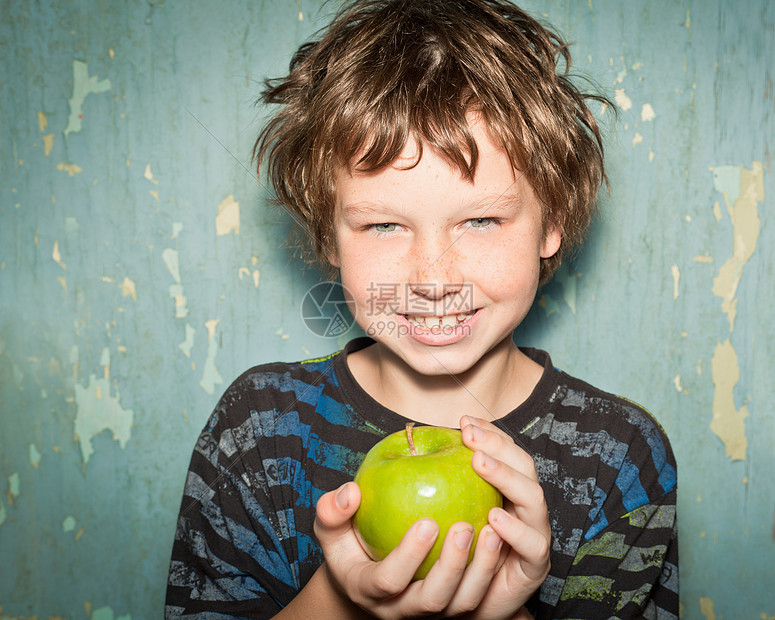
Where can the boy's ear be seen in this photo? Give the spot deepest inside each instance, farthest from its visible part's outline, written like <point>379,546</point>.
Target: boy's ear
<point>332,256</point>
<point>550,244</point>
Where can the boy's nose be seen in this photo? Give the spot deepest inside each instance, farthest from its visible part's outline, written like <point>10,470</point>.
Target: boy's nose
<point>436,271</point>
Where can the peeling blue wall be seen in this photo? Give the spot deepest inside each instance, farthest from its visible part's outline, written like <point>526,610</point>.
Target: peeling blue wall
<point>142,268</point>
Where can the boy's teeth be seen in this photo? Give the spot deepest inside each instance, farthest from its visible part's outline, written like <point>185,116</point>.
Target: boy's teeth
<point>431,322</point>
<point>448,321</point>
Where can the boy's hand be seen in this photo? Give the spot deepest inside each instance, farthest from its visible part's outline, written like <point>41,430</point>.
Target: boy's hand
<point>523,523</point>
<point>385,589</point>
<point>499,580</point>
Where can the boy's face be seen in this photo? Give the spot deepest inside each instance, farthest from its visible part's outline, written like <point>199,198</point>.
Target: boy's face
<point>441,270</point>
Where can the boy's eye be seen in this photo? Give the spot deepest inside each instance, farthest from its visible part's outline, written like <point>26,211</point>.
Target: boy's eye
<point>385,227</point>
<point>480,222</point>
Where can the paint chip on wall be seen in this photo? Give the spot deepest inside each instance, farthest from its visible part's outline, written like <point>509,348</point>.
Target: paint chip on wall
<point>57,256</point>
<point>676,277</point>
<point>34,455</point>
<point>188,343</point>
<point>48,144</point>
<point>549,304</point>
<point>98,411</point>
<point>568,281</point>
<point>170,258</point>
<point>622,100</point>
<point>742,189</point>
<point>210,376</point>
<point>83,85</point>
<point>13,487</point>
<point>255,275</point>
<point>149,175</point>
<point>181,301</point>
<point>707,608</point>
<point>71,169</point>
<point>171,261</point>
<point>728,422</point>
<point>106,613</point>
<point>128,289</point>
<point>228,218</point>
<point>647,113</point>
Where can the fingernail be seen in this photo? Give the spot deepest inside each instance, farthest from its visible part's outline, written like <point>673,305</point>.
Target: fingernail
<point>343,497</point>
<point>463,539</point>
<point>499,515</point>
<point>487,462</point>
<point>493,541</point>
<point>477,433</point>
<point>426,531</point>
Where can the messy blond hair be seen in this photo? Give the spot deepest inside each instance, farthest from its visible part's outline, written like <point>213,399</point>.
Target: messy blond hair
<point>388,70</point>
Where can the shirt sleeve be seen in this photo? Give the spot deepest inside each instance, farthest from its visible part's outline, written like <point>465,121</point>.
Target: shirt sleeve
<point>234,554</point>
<point>626,565</point>
<point>629,569</point>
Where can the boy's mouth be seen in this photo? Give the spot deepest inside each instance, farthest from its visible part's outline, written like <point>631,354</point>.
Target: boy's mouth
<point>436,322</point>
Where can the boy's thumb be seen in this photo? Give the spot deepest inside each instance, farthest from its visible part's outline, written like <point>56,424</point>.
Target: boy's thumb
<point>342,497</point>
<point>336,508</point>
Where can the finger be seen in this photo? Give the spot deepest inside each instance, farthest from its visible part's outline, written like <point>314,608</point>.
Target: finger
<point>480,434</point>
<point>525,494</point>
<point>488,425</point>
<point>392,575</point>
<point>484,424</point>
<point>334,511</point>
<point>479,574</point>
<point>531,545</point>
<point>432,594</point>
<point>441,582</point>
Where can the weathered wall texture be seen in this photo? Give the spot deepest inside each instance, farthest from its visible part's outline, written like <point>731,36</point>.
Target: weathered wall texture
<point>142,268</point>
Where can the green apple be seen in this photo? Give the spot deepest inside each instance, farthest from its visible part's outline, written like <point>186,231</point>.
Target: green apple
<point>415,474</point>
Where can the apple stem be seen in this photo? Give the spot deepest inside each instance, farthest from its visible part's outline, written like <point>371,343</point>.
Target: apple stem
<point>412,447</point>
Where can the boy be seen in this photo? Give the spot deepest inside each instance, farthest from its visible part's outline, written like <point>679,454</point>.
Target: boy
<point>438,159</point>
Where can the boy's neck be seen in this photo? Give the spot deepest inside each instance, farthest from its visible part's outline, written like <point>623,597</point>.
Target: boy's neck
<point>495,386</point>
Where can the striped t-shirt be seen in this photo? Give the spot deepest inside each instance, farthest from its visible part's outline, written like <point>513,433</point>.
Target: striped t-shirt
<point>282,435</point>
